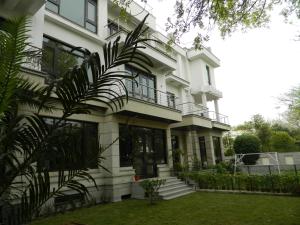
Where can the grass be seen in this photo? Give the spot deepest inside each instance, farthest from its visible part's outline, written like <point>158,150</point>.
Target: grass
<point>198,208</point>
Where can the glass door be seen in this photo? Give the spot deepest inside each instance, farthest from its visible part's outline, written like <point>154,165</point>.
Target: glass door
<point>144,156</point>
<point>203,151</point>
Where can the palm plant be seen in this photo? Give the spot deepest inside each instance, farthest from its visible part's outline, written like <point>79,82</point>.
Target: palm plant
<point>25,139</point>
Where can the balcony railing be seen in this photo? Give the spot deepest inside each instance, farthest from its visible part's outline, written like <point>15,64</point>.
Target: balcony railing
<point>190,108</point>
<point>218,117</point>
<point>114,27</point>
<point>152,95</point>
<point>33,59</point>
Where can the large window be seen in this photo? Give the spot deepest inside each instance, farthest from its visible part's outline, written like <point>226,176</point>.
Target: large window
<point>208,75</point>
<point>78,136</point>
<point>144,85</point>
<point>140,143</point>
<point>58,57</point>
<point>81,12</point>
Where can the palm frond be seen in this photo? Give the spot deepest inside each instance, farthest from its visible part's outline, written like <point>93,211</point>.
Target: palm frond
<point>12,53</point>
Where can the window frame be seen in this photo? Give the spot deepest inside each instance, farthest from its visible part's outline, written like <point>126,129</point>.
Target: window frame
<point>86,19</point>
<point>139,94</point>
<point>154,133</point>
<point>57,51</point>
<point>83,150</point>
<point>208,74</point>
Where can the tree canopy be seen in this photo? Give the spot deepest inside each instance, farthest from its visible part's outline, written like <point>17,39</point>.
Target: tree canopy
<point>227,16</point>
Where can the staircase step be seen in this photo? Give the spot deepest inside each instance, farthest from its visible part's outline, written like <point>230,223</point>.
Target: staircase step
<point>172,183</point>
<point>171,188</point>
<point>178,195</point>
<point>175,192</point>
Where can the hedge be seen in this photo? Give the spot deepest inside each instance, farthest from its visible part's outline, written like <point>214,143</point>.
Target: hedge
<point>286,183</point>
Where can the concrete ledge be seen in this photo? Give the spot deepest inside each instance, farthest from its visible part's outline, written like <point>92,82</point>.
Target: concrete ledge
<point>245,192</point>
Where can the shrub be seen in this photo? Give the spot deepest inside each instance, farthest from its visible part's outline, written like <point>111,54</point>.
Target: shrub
<point>151,187</point>
<point>281,141</point>
<point>247,143</point>
<point>285,183</point>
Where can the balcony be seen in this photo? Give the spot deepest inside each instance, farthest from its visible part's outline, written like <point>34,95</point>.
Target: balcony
<point>149,103</point>
<point>176,81</point>
<point>211,92</point>
<point>21,7</point>
<point>199,115</point>
<point>154,50</point>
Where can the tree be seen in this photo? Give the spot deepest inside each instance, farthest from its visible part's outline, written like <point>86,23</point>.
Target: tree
<point>26,139</point>
<point>228,144</point>
<point>259,127</point>
<point>247,143</point>
<point>292,100</point>
<point>228,16</point>
<point>281,141</point>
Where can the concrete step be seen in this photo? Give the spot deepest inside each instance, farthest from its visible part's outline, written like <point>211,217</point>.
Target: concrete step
<point>172,183</point>
<point>171,188</point>
<point>178,195</point>
<point>174,188</point>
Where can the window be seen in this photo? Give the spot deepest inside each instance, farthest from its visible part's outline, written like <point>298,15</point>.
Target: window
<point>208,75</point>
<point>171,100</point>
<point>143,87</point>
<point>113,27</point>
<point>81,12</point>
<point>58,58</point>
<point>81,137</point>
<point>136,143</point>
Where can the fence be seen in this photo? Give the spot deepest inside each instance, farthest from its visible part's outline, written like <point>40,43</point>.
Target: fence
<point>269,169</point>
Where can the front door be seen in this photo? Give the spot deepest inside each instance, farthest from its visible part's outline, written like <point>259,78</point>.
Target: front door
<point>144,156</point>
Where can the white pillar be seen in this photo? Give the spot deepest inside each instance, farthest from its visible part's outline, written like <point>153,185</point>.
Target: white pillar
<point>204,100</point>
<point>217,110</point>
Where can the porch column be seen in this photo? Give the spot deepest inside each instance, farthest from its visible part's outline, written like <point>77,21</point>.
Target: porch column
<point>109,134</point>
<point>217,110</point>
<point>169,148</point>
<point>222,147</point>
<point>204,100</point>
<point>189,147</point>
<point>210,150</point>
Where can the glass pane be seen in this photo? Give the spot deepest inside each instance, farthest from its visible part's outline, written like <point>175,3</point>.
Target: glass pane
<point>90,144</point>
<point>144,86</point>
<point>48,59</point>
<point>65,61</point>
<point>136,86</point>
<point>90,27</point>
<point>151,90</point>
<point>52,7</point>
<point>73,10</point>
<point>91,14</point>
<point>128,84</point>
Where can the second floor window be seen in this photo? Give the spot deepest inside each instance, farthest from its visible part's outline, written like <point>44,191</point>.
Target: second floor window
<point>58,57</point>
<point>144,87</point>
<point>208,75</point>
<point>81,12</point>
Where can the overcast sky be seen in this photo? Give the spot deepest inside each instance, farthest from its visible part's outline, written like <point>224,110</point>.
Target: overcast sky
<point>256,67</point>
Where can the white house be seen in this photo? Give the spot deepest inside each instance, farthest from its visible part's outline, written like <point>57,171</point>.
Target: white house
<point>166,111</point>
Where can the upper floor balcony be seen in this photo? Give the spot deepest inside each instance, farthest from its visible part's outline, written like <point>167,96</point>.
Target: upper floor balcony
<point>155,49</point>
<point>212,93</point>
<point>199,115</point>
<point>148,102</point>
<point>21,7</point>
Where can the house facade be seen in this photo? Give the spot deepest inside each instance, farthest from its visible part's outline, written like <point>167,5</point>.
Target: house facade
<point>167,111</point>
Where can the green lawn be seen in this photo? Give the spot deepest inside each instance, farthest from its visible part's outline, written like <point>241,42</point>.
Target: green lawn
<point>198,208</point>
